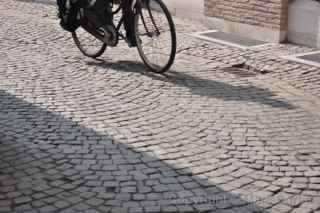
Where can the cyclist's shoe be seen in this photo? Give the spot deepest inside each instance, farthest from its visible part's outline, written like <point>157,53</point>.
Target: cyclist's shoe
<point>132,43</point>
<point>131,40</point>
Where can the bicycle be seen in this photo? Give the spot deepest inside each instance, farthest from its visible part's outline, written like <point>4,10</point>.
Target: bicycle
<point>154,33</point>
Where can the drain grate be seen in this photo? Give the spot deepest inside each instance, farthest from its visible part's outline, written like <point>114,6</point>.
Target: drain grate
<point>310,58</point>
<point>244,70</point>
<point>239,72</point>
<point>229,39</point>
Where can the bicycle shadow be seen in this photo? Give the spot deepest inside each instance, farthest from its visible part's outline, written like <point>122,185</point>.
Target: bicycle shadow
<point>51,163</point>
<point>199,86</point>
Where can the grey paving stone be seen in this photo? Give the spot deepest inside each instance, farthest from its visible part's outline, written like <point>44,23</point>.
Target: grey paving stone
<point>136,210</point>
<point>312,173</point>
<point>22,200</point>
<point>81,207</point>
<point>84,135</point>
<point>61,204</point>
<point>23,208</point>
<point>5,202</point>
<point>5,209</point>
<point>94,202</point>
<point>48,208</point>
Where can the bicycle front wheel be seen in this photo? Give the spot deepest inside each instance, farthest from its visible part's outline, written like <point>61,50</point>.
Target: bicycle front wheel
<point>155,35</point>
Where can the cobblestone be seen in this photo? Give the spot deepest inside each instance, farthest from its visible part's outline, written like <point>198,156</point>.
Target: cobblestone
<point>79,135</point>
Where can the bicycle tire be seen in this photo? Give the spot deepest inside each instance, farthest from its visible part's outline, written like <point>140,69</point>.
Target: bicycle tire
<point>172,52</point>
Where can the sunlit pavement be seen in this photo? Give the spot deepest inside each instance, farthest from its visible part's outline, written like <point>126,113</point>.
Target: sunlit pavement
<point>84,135</point>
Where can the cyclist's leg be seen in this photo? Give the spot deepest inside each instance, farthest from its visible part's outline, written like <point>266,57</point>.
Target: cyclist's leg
<point>100,12</point>
<point>128,18</point>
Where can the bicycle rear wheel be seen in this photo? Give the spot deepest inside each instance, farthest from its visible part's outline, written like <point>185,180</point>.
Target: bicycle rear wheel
<point>87,43</point>
<point>155,35</point>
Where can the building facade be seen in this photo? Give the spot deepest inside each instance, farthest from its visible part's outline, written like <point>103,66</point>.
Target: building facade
<point>276,21</point>
<point>260,19</point>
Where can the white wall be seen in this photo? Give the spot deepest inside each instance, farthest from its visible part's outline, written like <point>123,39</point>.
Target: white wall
<point>193,9</point>
<point>304,22</point>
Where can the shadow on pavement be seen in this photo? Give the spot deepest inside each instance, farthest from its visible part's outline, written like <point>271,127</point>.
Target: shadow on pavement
<point>200,86</point>
<point>49,163</point>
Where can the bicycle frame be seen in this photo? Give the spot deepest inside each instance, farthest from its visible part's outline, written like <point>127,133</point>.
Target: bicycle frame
<point>118,26</point>
<point>134,6</point>
<point>121,21</point>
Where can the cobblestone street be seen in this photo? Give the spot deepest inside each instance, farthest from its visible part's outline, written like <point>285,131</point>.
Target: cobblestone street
<point>84,135</point>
